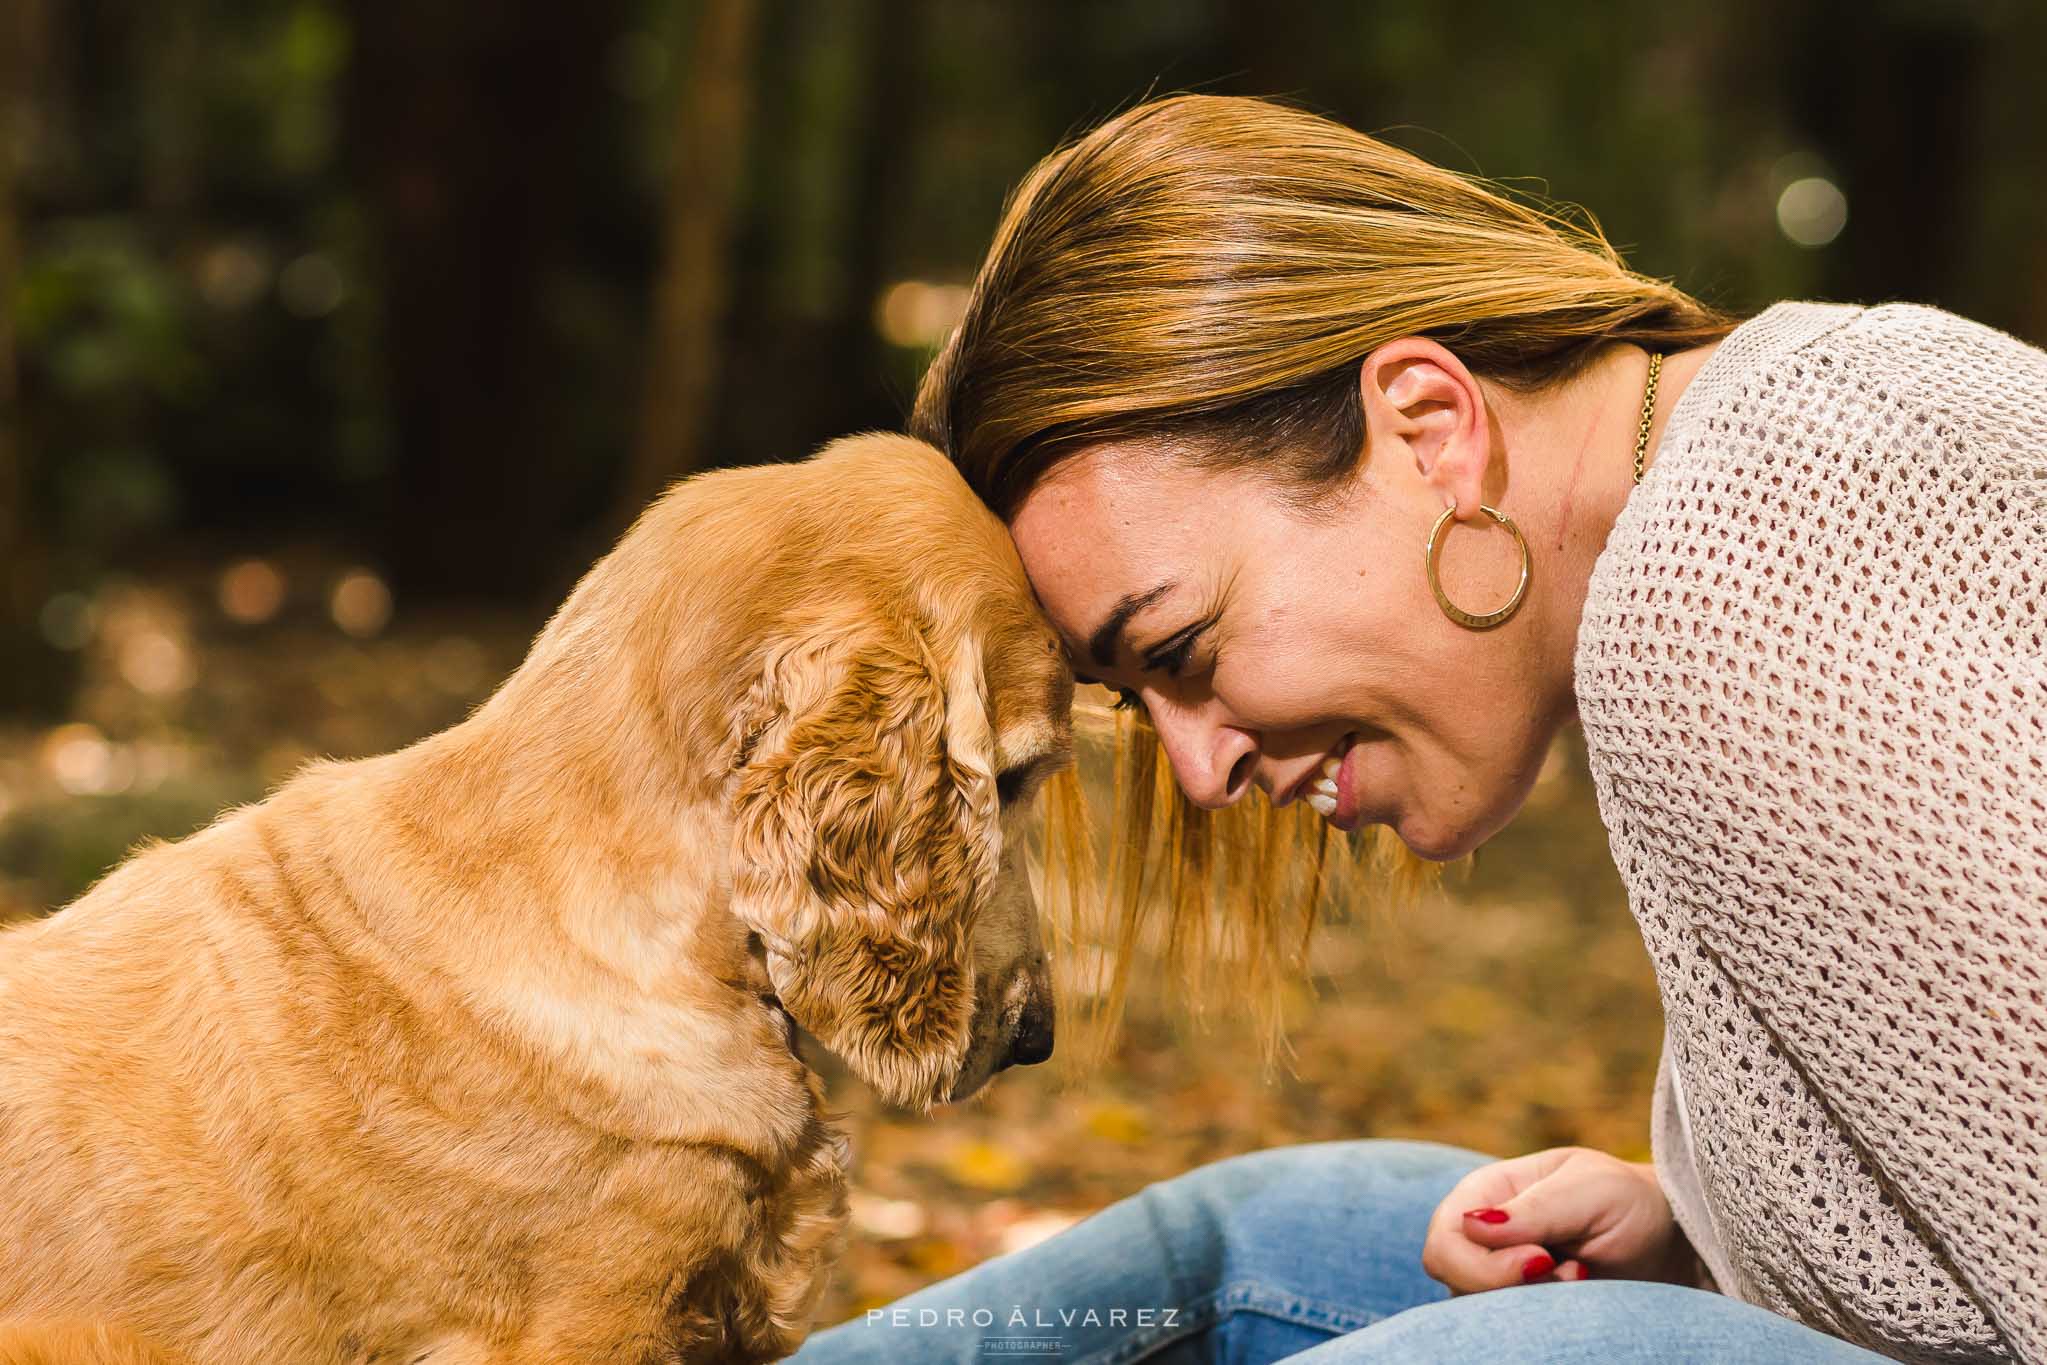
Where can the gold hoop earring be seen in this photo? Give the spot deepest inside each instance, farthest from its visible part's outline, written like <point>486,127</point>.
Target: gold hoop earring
<point>1456,613</point>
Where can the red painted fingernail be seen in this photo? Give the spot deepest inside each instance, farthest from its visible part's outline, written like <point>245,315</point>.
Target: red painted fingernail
<point>1584,1272</point>
<point>1488,1215</point>
<point>1537,1267</point>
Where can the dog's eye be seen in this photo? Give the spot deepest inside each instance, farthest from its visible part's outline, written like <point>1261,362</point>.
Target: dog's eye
<point>1009,784</point>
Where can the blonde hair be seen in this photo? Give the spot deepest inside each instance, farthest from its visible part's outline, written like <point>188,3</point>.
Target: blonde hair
<point>1227,899</point>
<point>1210,271</point>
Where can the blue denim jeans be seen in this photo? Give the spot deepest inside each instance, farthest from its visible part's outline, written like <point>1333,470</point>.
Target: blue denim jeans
<point>1308,1253</point>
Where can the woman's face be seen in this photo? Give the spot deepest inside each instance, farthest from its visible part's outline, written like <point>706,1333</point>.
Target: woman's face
<point>1267,639</point>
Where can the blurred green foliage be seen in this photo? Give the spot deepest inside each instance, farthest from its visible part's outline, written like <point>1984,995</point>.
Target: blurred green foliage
<point>379,273</point>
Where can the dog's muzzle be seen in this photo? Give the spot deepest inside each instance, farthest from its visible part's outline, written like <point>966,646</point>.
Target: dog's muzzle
<point>1032,1041</point>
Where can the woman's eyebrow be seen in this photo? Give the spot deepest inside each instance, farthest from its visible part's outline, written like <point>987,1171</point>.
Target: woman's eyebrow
<point>1101,646</point>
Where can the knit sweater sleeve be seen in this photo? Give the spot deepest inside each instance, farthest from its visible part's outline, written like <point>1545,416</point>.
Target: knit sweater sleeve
<point>1812,673</point>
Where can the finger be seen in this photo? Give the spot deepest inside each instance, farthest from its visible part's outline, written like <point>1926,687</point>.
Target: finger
<point>1490,1186</point>
<point>1466,1268</point>
<point>1564,1209</point>
<point>1487,1187</point>
<point>1497,1226</point>
<point>1497,1182</point>
<point>1468,1264</point>
<point>1448,1254</point>
<point>1571,1271</point>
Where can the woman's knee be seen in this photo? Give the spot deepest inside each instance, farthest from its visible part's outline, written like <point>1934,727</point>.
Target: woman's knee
<point>1615,1322</point>
<point>1358,1176</point>
<point>1339,1221</point>
<point>1316,1168</point>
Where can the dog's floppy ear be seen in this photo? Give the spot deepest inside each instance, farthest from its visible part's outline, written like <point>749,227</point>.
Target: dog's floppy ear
<point>867,838</point>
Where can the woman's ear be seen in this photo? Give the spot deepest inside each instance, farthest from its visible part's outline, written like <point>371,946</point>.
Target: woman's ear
<point>866,840</point>
<point>1423,408</point>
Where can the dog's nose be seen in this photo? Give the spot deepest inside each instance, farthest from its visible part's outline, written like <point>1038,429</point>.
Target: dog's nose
<point>1033,1040</point>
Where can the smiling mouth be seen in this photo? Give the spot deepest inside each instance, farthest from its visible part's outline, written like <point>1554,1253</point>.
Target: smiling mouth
<point>1325,792</point>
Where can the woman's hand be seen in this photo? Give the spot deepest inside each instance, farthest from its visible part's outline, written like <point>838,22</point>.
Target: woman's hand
<point>1565,1214</point>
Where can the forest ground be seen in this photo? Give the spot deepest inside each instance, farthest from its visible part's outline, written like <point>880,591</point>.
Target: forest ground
<point>1513,1011</point>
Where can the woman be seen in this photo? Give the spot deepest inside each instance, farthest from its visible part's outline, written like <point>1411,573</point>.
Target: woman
<point>1362,479</point>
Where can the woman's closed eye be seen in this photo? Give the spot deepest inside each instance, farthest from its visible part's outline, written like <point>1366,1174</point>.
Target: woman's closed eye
<point>1172,659</point>
<point>1172,656</point>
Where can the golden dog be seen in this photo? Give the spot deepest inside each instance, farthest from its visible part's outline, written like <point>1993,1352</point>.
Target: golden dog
<point>481,1051</point>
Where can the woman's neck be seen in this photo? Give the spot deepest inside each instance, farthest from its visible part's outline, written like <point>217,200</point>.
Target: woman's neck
<point>1573,451</point>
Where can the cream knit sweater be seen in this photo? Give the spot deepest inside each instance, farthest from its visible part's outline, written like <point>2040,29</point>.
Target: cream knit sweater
<point>1812,673</point>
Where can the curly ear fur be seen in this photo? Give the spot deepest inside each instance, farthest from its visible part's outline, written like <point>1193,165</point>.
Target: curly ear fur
<point>867,838</point>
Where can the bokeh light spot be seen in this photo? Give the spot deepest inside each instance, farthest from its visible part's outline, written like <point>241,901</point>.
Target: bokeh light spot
<point>156,663</point>
<point>360,603</point>
<point>1812,211</point>
<point>917,313</point>
<point>251,592</point>
<point>81,761</point>
<point>232,274</point>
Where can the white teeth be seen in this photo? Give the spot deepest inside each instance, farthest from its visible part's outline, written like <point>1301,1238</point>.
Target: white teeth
<point>1331,767</point>
<point>1324,804</point>
<point>1323,785</point>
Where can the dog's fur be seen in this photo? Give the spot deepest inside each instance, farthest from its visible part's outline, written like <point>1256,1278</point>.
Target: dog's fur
<point>480,1051</point>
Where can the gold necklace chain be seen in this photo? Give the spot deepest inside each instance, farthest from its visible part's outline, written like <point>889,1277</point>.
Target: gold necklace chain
<point>1648,414</point>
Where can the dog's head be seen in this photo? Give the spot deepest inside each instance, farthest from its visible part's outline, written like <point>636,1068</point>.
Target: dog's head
<point>904,712</point>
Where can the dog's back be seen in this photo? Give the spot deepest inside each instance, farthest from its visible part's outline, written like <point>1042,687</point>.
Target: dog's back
<point>457,1054</point>
<point>76,1343</point>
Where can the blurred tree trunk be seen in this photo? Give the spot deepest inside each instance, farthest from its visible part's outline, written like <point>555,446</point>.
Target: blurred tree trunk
<point>886,126</point>
<point>168,91</point>
<point>35,677</point>
<point>469,122</point>
<point>713,114</point>
<point>827,340</point>
<point>1846,92</point>
<point>16,23</point>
